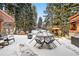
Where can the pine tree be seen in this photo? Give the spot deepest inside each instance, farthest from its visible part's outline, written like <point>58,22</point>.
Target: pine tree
<point>40,22</point>
<point>25,15</point>
<point>59,13</point>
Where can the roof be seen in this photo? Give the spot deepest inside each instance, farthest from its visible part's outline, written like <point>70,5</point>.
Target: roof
<point>5,17</point>
<point>74,17</point>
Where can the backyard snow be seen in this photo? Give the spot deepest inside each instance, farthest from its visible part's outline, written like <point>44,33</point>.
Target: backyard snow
<point>65,48</point>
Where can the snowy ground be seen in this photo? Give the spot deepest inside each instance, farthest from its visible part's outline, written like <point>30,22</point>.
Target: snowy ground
<point>65,49</point>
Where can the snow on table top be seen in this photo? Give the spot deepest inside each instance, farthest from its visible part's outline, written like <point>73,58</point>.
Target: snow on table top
<point>44,34</point>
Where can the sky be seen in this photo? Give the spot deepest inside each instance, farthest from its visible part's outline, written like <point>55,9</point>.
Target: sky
<point>40,7</point>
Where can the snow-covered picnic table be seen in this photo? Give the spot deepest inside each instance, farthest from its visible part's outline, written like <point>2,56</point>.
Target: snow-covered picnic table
<point>44,36</point>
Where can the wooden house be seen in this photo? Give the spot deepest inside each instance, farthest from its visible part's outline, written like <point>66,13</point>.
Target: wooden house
<point>7,23</point>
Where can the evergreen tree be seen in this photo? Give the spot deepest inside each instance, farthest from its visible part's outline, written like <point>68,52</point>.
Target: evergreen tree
<point>25,15</point>
<point>58,14</point>
<point>40,22</point>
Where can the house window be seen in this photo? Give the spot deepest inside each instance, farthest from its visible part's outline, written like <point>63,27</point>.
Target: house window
<point>73,26</point>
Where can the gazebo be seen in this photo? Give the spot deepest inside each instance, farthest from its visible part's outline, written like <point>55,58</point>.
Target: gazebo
<point>7,23</point>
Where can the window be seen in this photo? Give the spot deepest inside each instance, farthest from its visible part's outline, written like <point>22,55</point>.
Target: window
<point>73,26</point>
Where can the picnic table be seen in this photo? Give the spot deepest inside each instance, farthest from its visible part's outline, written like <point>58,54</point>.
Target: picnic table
<point>44,37</point>
<point>5,39</point>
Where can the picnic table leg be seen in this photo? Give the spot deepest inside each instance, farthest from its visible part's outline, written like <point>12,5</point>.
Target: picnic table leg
<point>7,41</point>
<point>49,46</point>
<point>58,42</point>
<point>2,45</point>
<point>13,39</point>
<point>41,45</point>
<point>54,45</point>
<point>35,45</point>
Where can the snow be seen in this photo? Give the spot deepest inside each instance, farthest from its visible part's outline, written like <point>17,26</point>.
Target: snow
<point>65,48</point>
<point>67,44</point>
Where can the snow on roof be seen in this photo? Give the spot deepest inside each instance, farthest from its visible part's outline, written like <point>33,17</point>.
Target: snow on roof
<point>6,17</point>
<point>74,17</point>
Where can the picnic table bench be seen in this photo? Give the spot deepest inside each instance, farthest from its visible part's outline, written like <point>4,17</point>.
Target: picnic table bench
<point>6,39</point>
